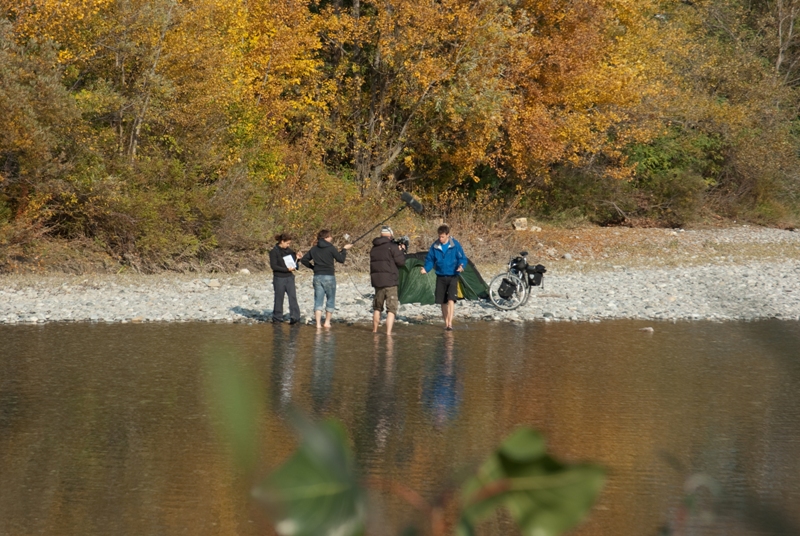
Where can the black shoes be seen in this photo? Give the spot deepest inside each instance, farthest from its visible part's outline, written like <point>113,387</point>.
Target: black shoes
<point>280,321</point>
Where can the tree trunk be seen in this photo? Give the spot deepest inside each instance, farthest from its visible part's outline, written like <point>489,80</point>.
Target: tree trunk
<point>147,87</point>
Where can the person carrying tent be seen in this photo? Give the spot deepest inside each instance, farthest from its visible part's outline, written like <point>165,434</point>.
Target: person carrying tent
<point>447,256</point>
<point>385,260</point>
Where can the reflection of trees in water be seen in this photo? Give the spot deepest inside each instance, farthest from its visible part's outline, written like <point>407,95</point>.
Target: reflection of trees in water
<point>735,461</point>
<point>115,433</point>
<point>284,357</point>
<point>322,365</point>
<point>441,389</point>
<point>11,408</point>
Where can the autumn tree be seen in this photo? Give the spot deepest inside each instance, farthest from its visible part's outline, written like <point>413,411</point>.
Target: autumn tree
<point>413,80</point>
<point>576,82</point>
<point>728,117</point>
<point>166,129</point>
<point>38,118</point>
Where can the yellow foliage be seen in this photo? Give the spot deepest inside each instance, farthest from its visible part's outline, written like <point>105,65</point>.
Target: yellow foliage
<point>436,95</point>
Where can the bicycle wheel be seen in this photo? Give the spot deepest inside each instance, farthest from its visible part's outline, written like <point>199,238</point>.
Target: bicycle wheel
<point>528,291</point>
<point>507,291</point>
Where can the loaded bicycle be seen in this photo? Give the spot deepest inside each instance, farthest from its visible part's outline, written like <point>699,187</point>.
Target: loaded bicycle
<point>512,288</point>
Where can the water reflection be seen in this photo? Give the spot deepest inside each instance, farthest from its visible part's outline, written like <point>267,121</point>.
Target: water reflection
<point>441,390</point>
<point>384,409</point>
<point>104,430</point>
<point>284,361</point>
<point>322,366</point>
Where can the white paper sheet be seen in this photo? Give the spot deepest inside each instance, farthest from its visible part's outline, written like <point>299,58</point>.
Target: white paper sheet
<point>289,261</point>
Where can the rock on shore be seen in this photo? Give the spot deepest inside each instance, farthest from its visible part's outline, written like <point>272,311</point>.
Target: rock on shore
<point>714,292</point>
<point>717,289</point>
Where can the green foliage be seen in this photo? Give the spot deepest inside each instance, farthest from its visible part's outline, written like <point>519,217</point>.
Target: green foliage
<point>5,211</point>
<point>674,171</point>
<point>573,196</point>
<point>235,402</point>
<point>679,151</point>
<point>317,490</point>
<point>545,497</point>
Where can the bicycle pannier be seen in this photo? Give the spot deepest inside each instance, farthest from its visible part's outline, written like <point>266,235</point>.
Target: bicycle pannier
<point>507,288</point>
<point>535,274</point>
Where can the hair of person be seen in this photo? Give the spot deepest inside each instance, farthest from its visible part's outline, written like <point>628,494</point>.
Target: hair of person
<point>283,237</point>
<point>443,229</point>
<point>323,234</point>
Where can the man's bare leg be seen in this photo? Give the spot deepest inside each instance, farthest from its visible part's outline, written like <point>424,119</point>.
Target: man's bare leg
<point>389,323</point>
<point>376,320</point>
<point>328,315</point>
<point>318,318</point>
<point>451,309</point>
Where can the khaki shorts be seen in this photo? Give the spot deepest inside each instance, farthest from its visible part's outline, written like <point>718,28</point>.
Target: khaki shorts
<point>386,295</point>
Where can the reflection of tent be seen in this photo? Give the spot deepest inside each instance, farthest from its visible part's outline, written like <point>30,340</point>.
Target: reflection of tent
<point>417,288</point>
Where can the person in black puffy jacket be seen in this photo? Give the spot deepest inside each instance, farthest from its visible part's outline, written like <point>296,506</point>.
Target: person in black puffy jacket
<point>385,259</point>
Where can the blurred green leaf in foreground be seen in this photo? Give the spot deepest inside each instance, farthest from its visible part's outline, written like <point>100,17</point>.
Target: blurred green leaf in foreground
<point>545,497</point>
<point>235,404</point>
<point>317,491</point>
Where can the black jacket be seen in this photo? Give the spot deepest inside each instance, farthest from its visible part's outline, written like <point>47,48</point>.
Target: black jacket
<point>276,256</point>
<point>320,258</point>
<point>385,259</point>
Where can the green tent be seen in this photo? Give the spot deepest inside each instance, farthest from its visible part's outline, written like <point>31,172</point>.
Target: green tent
<point>417,288</point>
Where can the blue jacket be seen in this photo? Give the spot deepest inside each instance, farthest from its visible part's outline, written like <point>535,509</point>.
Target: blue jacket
<point>446,262</point>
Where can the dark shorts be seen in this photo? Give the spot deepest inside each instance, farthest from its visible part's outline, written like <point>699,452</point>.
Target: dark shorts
<point>387,295</point>
<point>446,288</point>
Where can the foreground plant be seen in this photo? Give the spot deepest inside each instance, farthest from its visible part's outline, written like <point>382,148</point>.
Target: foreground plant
<point>318,490</point>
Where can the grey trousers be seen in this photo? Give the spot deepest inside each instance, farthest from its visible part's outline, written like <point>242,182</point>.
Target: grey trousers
<point>281,286</point>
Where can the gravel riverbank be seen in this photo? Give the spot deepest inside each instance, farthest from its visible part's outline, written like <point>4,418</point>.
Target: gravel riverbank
<point>718,274</point>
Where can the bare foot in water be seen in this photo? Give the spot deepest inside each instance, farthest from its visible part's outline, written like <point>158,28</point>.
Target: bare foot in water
<point>326,326</point>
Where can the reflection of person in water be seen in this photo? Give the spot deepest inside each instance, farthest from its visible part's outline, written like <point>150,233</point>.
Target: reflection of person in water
<point>322,364</point>
<point>284,354</point>
<point>440,388</point>
<point>381,399</point>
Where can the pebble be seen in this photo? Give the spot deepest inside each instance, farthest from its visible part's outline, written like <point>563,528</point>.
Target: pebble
<point>714,289</point>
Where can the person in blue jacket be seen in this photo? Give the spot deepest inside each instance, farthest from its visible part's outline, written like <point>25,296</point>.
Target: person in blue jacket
<point>447,256</point>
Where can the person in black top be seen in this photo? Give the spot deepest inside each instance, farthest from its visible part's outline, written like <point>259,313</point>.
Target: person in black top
<point>320,258</point>
<point>283,278</point>
<point>385,259</point>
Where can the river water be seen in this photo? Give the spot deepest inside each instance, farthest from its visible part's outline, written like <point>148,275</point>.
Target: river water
<point>105,428</point>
